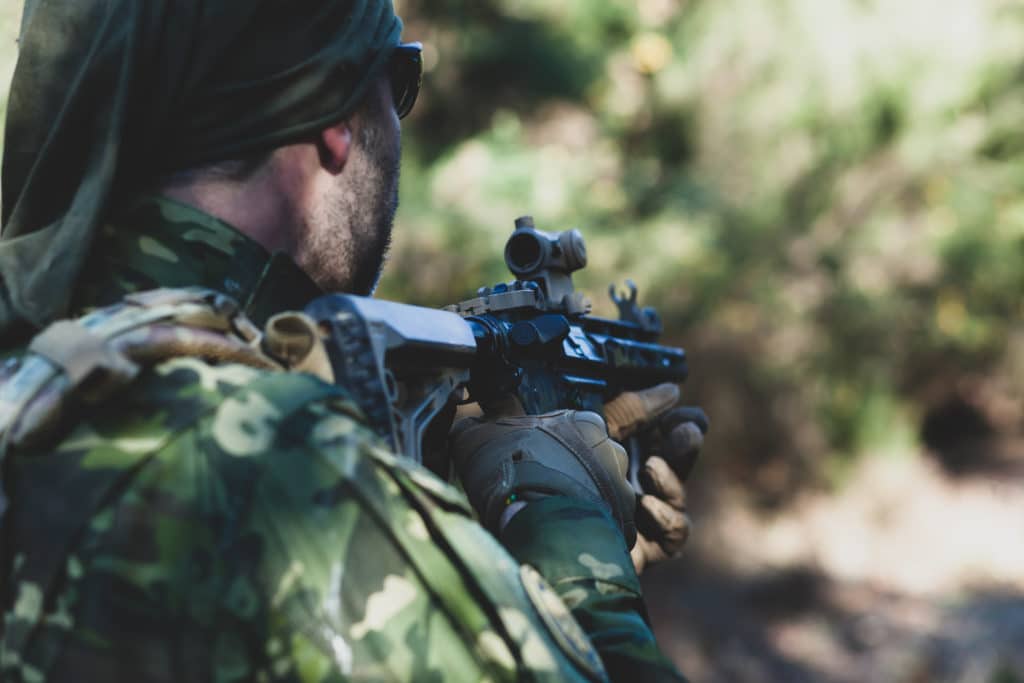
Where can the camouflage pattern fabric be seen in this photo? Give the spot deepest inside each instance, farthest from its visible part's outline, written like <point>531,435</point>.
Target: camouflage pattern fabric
<point>157,242</point>
<point>222,523</point>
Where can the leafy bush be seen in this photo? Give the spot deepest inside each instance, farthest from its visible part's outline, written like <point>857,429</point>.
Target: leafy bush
<point>822,197</point>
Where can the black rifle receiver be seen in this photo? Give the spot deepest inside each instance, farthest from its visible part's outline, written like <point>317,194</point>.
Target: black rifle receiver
<point>533,338</point>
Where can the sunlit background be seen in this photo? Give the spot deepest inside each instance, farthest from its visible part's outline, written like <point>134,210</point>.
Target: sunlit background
<point>825,199</point>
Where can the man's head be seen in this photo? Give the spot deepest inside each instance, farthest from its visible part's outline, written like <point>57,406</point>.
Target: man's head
<point>327,201</point>
<point>110,96</point>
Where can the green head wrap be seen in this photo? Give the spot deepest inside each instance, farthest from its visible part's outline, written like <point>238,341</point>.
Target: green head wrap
<point>108,94</point>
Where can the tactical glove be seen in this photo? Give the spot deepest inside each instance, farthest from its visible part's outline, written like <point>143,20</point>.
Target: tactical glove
<point>513,460</point>
<point>662,521</point>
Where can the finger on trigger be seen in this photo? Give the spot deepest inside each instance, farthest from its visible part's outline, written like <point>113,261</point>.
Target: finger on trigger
<point>658,479</point>
<point>662,523</point>
<point>632,409</point>
<point>657,400</point>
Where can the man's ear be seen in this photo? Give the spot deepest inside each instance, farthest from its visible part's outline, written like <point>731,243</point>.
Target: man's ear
<point>335,144</point>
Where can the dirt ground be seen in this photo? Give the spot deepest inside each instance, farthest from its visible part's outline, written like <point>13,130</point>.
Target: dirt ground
<point>907,575</point>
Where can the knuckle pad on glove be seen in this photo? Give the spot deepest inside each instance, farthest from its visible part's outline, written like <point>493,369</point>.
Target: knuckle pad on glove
<point>605,454</point>
<point>631,409</point>
<point>591,427</point>
<point>467,435</point>
<point>624,413</point>
<point>659,399</point>
<point>566,453</point>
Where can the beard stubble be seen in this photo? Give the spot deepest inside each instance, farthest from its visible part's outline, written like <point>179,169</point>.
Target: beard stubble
<point>348,233</point>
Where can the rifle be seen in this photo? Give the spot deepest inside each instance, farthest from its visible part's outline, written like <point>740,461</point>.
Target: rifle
<point>533,338</point>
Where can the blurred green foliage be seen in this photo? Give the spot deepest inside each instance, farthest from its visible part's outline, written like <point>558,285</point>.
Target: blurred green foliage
<point>10,16</point>
<point>823,197</point>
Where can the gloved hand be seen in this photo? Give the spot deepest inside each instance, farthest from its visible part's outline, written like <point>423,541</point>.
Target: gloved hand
<point>662,521</point>
<point>510,461</point>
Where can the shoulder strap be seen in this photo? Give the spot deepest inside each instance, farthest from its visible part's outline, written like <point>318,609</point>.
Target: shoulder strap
<point>89,358</point>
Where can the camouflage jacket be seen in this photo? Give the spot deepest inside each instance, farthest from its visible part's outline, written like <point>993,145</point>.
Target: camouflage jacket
<point>220,523</point>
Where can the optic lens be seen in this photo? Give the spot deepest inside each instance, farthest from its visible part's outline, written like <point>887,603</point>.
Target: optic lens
<point>524,253</point>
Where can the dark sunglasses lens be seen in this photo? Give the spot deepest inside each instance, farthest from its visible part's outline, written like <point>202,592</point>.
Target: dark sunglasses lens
<point>406,73</point>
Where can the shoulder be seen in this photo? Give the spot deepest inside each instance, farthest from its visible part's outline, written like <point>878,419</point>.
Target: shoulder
<point>228,401</point>
<point>186,426</point>
<point>241,409</point>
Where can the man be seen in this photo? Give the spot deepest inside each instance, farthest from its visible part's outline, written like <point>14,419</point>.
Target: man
<point>212,521</point>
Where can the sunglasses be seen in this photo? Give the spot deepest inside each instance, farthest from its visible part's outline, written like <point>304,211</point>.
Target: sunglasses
<point>406,72</point>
